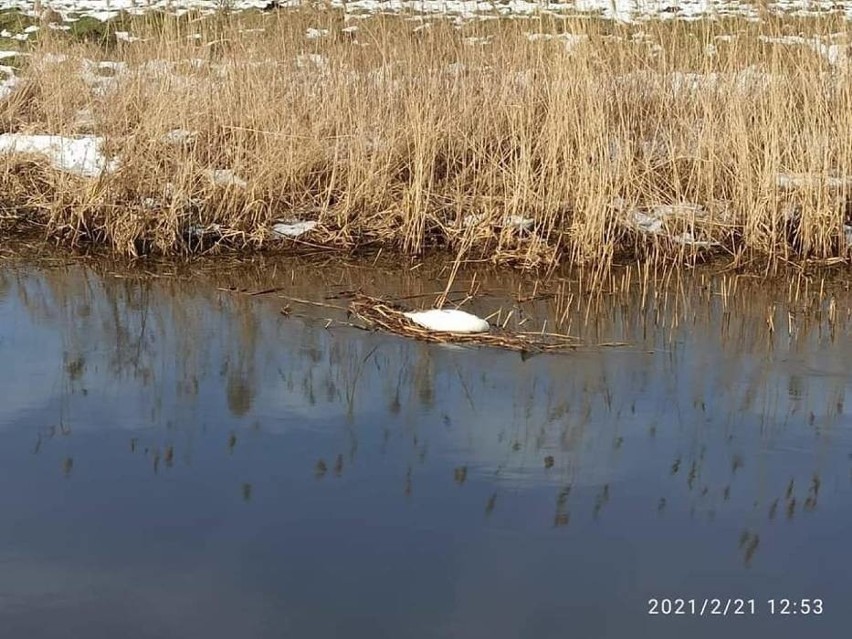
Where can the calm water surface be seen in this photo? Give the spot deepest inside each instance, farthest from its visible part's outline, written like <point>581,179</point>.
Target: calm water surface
<point>181,461</point>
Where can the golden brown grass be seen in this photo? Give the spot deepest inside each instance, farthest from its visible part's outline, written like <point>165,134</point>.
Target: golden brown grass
<point>442,138</point>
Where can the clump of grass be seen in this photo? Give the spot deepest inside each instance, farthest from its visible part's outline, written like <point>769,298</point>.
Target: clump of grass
<point>476,140</point>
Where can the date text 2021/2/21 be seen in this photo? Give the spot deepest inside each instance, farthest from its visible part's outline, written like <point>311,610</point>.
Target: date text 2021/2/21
<point>728,606</point>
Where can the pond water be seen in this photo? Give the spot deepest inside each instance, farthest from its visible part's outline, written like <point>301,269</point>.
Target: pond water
<point>181,460</point>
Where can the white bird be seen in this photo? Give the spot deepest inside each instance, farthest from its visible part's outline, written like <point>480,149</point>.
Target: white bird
<point>448,321</point>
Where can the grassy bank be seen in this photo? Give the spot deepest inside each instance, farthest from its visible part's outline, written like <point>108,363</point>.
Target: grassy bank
<point>532,142</point>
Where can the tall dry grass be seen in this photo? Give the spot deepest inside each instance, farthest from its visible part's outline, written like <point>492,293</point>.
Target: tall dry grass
<point>443,137</point>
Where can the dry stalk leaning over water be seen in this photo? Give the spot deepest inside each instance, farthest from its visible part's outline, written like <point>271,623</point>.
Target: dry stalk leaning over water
<point>602,143</point>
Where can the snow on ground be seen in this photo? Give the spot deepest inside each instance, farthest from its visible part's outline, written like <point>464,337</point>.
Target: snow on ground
<point>652,220</point>
<point>81,156</point>
<point>835,54</point>
<point>293,229</point>
<point>805,181</point>
<point>621,10</point>
<point>225,177</point>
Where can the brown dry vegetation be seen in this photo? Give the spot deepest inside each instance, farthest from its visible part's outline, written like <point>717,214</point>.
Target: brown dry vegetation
<point>412,141</point>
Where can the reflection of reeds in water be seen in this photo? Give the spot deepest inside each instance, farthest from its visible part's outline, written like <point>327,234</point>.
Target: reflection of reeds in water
<point>699,351</point>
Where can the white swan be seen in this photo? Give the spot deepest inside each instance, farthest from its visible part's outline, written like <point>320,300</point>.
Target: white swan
<point>448,321</point>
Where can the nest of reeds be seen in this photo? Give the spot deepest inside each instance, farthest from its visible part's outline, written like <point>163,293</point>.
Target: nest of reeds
<point>379,314</point>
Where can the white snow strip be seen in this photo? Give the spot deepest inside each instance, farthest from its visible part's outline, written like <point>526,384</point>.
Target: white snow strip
<point>835,54</point>
<point>293,229</point>
<point>805,180</point>
<point>516,222</point>
<point>449,321</point>
<point>315,34</point>
<point>81,155</point>
<point>688,239</point>
<point>125,36</point>
<point>630,11</point>
<point>652,219</point>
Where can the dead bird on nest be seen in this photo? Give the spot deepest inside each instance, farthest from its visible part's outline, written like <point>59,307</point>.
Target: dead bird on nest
<point>451,327</point>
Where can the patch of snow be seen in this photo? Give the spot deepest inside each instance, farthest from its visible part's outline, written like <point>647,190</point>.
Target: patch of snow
<point>103,16</point>
<point>312,61</point>
<point>10,54</point>
<point>125,36</point>
<point>688,239</point>
<point>473,219</point>
<point>652,219</point>
<point>92,73</point>
<point>7,85</point>
<point>646,223</point>
<point>518,222</point>
<point>455,68</point>
<point>805,180</point>
<point>515,222</point>
<point>835,54</point>
<point>293,229</point>
<point>178,136</point>
<point>84,118</point>
<point>571,40</point>
<point>449,321</point>
<point>53,58</point>
<point>316,34</point>
<point>81,156</point>
<point>225,177</point>
<point>198,232</point>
